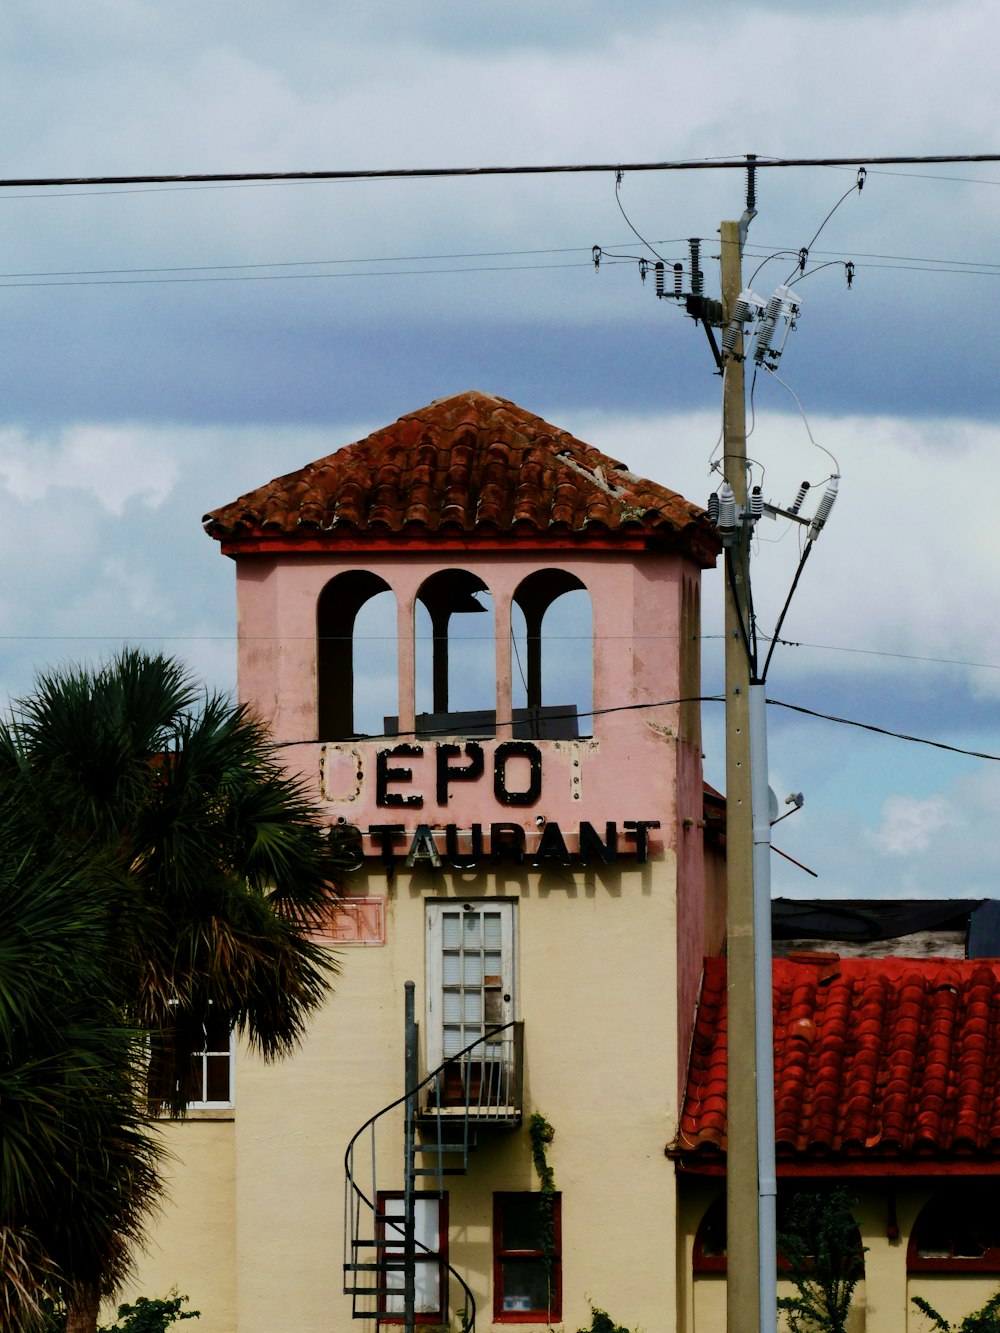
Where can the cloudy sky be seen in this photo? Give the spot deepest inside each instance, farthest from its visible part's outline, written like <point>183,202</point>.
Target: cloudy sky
<point>164,349</point>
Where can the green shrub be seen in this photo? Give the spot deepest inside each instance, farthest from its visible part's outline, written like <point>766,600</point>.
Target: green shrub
<point>601,1322</point>
<point>147,1316</point>
<point>985,1320</point>
<point>818,1239</point>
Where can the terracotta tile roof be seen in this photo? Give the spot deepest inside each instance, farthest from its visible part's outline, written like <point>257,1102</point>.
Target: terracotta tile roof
<point>469,465</point>
<point>886,1058</point>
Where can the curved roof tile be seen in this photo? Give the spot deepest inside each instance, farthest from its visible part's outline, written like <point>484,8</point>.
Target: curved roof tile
<point>889,1057</point>
<point>473,464</point>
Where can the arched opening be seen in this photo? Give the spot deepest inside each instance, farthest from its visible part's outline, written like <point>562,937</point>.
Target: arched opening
<point>455,660</point>
<point>957,1231</point>
<point>710,1243</point>
<point>552,641</point>
<point>356,659</point>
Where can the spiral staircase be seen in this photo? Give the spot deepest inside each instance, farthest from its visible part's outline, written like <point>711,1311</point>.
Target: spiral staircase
<point>476,1089</point>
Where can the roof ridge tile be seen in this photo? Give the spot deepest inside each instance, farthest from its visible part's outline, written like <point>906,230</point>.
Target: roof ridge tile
<point>479,463</point>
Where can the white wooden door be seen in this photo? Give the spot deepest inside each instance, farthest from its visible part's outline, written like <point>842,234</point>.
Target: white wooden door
<point>470,975</point>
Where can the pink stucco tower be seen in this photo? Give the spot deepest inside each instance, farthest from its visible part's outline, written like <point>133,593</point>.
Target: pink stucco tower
<point>474,505</point>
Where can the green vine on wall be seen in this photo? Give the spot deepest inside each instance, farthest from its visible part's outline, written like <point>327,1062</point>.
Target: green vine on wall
<point>542,1134</point>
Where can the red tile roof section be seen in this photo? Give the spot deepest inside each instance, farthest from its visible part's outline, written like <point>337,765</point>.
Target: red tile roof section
<point>886,1057</point>
<point>470,465</point>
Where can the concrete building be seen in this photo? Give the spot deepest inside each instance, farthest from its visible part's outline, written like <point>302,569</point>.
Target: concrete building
<point>477,639</point>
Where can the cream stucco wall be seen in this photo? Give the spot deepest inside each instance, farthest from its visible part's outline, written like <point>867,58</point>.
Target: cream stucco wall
<point>882,1302</point>
<point>600,1050</point>
<point>192,1242</point>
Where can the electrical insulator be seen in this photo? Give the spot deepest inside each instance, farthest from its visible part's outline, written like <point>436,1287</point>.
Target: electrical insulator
<point>727,508</point>
<point>659,277</point>
<point>748,306</point>
<point>729,338</point>
<point>697,284</point>
<point>766,331</point>
<point>824,507</point>
<point>783,304</point>
<point>713,508</point>
<point>678,279</point>
<point>756,509</point>
<point>800,497</point>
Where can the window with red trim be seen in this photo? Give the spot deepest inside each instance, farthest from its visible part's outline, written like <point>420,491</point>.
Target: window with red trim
<point>430,1258</point>
<point>710,1255</point>
<point>527,1281</point>
<point>957,1231</point>
<point>710,1239</point>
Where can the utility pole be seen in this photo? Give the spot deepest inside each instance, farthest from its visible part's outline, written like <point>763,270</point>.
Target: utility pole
<point>743,1296</point>
<point>409,1180</point>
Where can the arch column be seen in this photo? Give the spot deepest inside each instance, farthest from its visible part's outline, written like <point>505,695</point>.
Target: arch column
<point>501,639</point>
<point>406,661</point>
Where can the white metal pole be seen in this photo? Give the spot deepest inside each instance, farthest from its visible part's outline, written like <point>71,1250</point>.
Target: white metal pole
<point>764,1034</point>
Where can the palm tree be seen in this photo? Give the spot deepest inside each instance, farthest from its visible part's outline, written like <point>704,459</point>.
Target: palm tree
<point>164,811</point>
<point>78,1167</point>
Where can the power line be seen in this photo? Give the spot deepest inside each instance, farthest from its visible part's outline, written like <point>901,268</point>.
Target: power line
<point>167,637</point>
<point>432,173</point>
<point>219,275</point>
<point>430,733</point>
<point>309,263</point>
<point>883,731</point>
<point>292,277</point>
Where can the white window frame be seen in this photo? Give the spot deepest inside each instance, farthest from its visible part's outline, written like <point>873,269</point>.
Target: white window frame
<point>436,910</point>
<point>203,1056</point>
<point>430,1216</point>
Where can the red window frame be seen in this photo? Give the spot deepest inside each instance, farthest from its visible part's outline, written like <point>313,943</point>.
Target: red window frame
<point>958,1206</point>
<point>710,1254</point>
<point>711,1229</point>
<point>502,1255</point>
<point>440,1256</point>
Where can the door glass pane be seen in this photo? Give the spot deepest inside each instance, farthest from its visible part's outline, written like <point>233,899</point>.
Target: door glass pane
<point>472,932</point>
<point>473,969</point>
<point>491,922</point>
<point>451,930</point>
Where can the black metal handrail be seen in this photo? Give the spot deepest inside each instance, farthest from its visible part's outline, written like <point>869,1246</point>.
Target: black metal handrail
<point>469,1324</point>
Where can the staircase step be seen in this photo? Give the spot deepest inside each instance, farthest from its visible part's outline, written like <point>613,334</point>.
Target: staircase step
<point>440,1171</point>
<point>385,1266</point>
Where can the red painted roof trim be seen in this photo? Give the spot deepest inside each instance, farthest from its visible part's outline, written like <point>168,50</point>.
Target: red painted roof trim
<point>399,543</point>
<point>851,1168</point>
